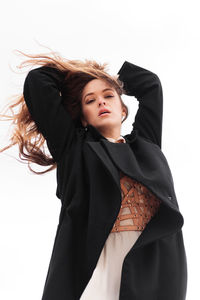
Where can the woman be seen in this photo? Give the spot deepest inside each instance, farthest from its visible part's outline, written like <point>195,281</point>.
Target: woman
<point>119,233</point>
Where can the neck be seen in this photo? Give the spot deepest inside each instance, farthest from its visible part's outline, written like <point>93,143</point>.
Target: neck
<point>112,133</point>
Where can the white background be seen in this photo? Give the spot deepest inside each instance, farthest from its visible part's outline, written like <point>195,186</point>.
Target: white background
<point>162,36</point>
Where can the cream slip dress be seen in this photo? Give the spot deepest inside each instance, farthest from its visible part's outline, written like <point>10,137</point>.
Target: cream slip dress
<point>137,208</point>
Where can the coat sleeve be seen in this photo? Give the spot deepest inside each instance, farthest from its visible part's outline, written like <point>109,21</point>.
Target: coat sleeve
<point>146,87</point>
<point>42,95</point>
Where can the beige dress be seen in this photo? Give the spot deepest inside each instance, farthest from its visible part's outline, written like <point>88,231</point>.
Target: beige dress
<point>137,208</point>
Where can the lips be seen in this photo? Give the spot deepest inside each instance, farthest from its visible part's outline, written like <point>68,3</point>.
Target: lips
<point>103,110</point>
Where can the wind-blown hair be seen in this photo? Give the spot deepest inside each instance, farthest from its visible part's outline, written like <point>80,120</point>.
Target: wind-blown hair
<point>77,74</point>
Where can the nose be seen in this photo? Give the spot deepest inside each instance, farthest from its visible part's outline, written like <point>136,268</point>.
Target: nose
<point>101,101</point>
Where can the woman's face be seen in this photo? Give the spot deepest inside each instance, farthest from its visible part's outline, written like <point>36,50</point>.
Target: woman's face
<point>98,94</point>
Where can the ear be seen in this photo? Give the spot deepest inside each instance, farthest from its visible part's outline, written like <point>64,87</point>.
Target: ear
<point>84,123</point>
<point>123,112</point>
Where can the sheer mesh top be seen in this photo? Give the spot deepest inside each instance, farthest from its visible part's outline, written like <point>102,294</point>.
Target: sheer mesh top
<point>138,204</point>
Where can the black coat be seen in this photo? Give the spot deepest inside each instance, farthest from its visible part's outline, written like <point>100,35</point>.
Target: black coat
<point>88,185</point>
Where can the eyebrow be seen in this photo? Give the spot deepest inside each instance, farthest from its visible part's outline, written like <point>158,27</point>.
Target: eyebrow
<point>102,91</point>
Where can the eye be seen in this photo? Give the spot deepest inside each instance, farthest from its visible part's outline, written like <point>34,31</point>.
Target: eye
<point>109,96</point>
<point>90,101</point>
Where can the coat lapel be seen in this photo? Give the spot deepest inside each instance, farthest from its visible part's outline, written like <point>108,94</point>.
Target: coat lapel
<point>102,147</point>
<point>102,155</point>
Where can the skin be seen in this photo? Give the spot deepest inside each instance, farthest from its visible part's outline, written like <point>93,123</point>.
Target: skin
<point>109,125</point>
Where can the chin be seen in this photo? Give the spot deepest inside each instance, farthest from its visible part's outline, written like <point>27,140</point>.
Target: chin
<point>107,124</point>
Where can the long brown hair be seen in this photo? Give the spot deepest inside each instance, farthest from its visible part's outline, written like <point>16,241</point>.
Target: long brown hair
<point>77,74</point>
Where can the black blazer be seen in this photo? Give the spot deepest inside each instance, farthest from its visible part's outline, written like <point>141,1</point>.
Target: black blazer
<point>88,185</point>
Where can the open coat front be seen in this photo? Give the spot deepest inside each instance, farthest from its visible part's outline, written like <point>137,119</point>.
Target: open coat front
<point>88,185</point>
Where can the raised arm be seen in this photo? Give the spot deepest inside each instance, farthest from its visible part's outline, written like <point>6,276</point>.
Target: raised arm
<point>146,87</point>
<point>42,87</point>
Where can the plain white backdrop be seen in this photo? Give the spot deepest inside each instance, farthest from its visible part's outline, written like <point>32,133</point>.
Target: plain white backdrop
<point>162,36</point>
